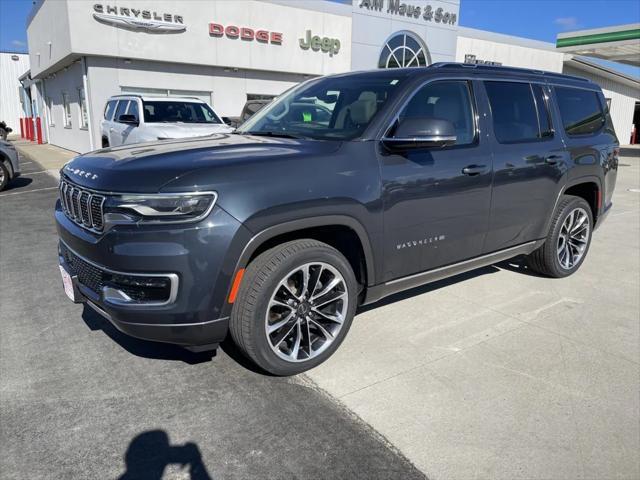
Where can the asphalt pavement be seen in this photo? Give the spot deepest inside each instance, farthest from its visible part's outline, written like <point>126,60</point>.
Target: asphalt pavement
<point>80,400</point>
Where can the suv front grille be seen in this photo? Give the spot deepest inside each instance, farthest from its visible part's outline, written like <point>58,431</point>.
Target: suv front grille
<point>89,275</point>
<point>82,206</point>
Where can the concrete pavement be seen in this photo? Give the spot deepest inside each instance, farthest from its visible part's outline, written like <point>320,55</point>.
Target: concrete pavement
<point>502,374</point>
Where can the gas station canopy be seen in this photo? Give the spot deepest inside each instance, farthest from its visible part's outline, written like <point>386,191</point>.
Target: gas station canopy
<point>617,44</point>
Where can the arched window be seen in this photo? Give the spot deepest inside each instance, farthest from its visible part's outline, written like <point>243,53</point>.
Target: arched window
<point>404,49</point>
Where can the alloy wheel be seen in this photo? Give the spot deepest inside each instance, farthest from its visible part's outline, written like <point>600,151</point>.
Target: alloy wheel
<point>306,311</point>
<point>573,238</point>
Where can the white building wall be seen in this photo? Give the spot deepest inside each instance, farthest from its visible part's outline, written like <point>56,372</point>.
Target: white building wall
<point>372,28</point>
<point>509,51</point>
<point>72,137</point>
<point>10,105</point>
<point>623,100</point>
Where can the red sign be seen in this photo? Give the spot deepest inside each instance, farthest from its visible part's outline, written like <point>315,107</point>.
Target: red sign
<point>245,33</point>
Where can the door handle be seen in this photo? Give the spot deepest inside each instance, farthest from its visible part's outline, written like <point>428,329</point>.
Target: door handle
<point>552,159</point>
<point>472,170</point>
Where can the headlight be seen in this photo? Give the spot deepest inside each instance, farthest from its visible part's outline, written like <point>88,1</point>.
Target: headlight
<point>159,208</point>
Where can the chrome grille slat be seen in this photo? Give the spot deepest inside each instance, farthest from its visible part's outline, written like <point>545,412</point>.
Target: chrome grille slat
<point>82,206</point>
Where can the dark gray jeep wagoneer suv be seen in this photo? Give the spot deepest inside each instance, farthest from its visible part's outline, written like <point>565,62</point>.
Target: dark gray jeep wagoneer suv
<point>343,190</point>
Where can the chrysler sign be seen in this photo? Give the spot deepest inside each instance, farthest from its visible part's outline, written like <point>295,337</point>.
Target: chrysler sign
<point>138,19</point>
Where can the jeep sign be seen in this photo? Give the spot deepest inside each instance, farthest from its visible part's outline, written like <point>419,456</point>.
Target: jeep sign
<point>316,43</point>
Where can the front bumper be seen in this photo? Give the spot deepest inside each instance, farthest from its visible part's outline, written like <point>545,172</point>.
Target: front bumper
<point>201,257</point>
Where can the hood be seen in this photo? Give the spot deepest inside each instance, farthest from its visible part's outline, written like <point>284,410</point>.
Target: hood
<point>147,167</point>
<point>186,130</point>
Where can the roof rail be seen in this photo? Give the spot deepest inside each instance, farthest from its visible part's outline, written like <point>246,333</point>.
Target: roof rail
<point>497,68</point>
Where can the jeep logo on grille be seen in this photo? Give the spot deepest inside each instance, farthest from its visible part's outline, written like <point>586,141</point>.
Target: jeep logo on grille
<point>80,173</point>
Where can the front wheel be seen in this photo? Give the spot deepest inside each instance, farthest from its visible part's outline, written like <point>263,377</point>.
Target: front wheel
<point>294,307</point>
<point>4,176</point>
<point>568,240</point>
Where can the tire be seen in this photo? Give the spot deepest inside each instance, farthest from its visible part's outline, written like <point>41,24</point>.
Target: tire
<point>263,302</point>
<point>105,142</point>
<point>4,176</point>
<point>568,241</point>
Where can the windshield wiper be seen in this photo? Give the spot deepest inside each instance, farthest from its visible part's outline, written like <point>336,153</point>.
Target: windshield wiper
<point>270,133</point>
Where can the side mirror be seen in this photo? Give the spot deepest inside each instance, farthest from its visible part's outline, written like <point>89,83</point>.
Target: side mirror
<point>128,119</point>
<point>421,132</point>
<point>226,120</point>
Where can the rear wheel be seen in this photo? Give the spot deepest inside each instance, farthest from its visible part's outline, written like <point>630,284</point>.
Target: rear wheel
<point>4,176</point>
<point>568,241</point>
<point>294,307</point>
<point>105,142</point>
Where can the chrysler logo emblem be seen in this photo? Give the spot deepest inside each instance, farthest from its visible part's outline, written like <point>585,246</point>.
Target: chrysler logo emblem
<point>139,19</point>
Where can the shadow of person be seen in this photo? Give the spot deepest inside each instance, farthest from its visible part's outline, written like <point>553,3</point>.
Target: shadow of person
<point>150,453</point>
<point>143,348</point>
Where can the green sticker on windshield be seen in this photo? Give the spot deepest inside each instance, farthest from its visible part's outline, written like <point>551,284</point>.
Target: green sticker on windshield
<point>306,117</point>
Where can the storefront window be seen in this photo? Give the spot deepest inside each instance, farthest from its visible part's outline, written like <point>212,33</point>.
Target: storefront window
<point>50,112</point>
<point>404,49</point>
<point>66,108</point>
<point>84,117</point>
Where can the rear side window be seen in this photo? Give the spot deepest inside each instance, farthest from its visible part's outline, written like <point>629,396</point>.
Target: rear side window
<point>447,100</point>
<point>121,109</point>
<point>580,110</point>
<point>108,111</point>
<point>513,109</point>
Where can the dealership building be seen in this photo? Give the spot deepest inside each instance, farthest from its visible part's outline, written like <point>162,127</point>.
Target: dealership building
<point>228,52</point>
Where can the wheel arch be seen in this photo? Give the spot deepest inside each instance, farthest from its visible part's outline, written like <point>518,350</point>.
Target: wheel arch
<point>338,231</point>
<point>578,187</point>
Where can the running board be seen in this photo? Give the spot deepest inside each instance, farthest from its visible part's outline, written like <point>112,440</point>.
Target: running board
<point>378,292</point>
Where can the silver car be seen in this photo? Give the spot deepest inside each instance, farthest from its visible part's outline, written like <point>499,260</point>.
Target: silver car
<point>9,163</point>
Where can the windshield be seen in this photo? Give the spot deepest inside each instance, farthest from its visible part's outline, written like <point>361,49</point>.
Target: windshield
<point>330,108</point>
<point>178,112</point>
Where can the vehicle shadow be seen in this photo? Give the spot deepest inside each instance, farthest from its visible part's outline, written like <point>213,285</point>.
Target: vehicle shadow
<point>143,348</point>
<point>519,265</point>
<point>150,453</point>
<point>17,183</point>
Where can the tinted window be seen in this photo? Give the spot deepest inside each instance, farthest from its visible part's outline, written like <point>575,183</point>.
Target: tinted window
<point>122,109</point>
<point>108,111</point>
<point>338,108</point>
<point>178,112</point>
<point>448,101</point>
<point>514,112</point>
<point>546,128</point>
<point>133,109</point>
<point>580,110</point>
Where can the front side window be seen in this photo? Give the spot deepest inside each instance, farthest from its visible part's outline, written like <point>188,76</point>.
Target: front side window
<point>109,109</point>
<point>513,109</point>
<point>133,109</point>
<point>178,112</point>
<point>580,110</point>
<point>84,117</point>
<point>445,100</point>
<point>331,108</point>
<point>121,109</point>
<point>66,108</point>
